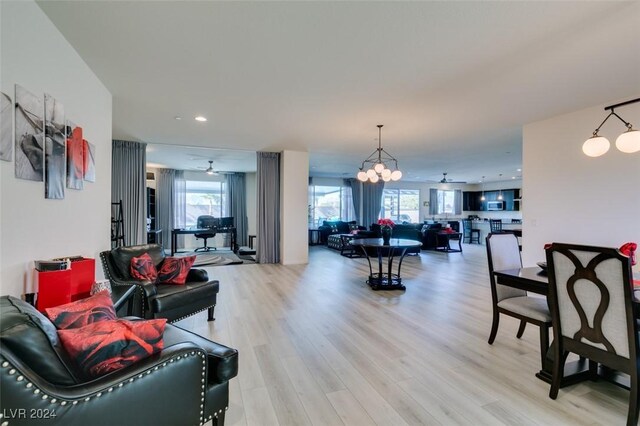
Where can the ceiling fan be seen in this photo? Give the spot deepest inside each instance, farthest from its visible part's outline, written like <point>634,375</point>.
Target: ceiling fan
<point>445,180</point>
<point>210,170</point>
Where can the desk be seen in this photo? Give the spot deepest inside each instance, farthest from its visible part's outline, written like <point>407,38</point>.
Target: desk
<point>385,280</point>
<point>534,280</point>
<point>187,231</point>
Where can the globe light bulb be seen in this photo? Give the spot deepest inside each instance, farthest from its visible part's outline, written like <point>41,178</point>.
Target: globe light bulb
<point>483,198</point>
<point>379,167</point>
<point>396,175</point>
<point>629,141</point>
<point>374,179</point>
<point>386,178</point>
<point>385,173</point>
<point>596,146</point>
<point>371,173</point>
<point>362,176</point>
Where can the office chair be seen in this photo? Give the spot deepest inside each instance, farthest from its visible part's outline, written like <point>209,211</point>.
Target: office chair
<point>206,222</point>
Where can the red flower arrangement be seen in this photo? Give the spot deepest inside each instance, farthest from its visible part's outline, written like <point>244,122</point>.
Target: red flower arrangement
<point>386,222</point>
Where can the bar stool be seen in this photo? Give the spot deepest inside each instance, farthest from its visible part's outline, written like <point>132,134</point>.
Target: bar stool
<point>469,232</point>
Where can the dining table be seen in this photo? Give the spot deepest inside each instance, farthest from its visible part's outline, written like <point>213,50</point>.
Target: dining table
<point>385,278</point>
<point>535,280</point>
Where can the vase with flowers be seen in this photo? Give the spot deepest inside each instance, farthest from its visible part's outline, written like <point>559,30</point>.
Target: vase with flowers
<point>386,226</point>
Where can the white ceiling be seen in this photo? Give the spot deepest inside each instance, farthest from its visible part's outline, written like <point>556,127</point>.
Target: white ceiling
<point>196,158</point>
<point>453,82</point>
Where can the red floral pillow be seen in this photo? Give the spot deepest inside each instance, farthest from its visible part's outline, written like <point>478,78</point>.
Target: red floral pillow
<point>98,307</point>
<point>174,270</point>
<point>142,268</point>
<point>105,346</point>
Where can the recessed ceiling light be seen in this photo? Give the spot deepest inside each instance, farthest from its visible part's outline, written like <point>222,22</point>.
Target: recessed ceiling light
<point>513,177</point>
<point>518,170</point>
<point>201,118</point>
<point>177,117</point>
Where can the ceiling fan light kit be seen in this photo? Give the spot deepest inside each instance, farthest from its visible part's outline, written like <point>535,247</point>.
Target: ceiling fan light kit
<point>628,142</point>
<point>210,170</point>
<point>379,170</point>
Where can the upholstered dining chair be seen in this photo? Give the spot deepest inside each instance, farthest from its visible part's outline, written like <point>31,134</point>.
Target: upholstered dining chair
<point>503,253</point>
<point>592,306</point>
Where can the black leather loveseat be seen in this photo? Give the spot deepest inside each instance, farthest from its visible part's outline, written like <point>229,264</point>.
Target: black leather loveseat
<point>157,300</point>
<point>337,227</point>
<point>186,383</point>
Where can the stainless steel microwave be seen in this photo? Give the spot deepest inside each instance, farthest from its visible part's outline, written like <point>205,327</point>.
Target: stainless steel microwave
<point>495,205</point>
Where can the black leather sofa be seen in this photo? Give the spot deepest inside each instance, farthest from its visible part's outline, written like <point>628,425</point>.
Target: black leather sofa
<point>173,302</point>
<point>337,227</point>
<point>187,383</point>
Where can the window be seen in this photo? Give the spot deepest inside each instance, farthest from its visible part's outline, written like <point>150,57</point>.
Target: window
<point>401,205</point>
<point>446,201</point>
<point>205,198</point>
<point>330,203</point>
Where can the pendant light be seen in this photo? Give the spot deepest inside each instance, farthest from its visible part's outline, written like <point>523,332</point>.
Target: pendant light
<point>500,197</point>
<point>628,142</point>
<point>483,197</point>
<point>379,170</point>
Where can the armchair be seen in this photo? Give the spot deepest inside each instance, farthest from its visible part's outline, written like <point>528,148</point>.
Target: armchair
<point>157,300</point>
<point>185,383</point>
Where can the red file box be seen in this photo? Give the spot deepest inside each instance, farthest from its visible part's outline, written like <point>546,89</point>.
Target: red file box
<point>60,287</point>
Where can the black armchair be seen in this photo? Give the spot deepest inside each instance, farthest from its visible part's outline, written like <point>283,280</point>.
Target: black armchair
<point>185,383</point>
<point>157,300</point>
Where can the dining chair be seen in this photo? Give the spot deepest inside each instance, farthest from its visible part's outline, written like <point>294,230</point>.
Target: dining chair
<point>591,299</point>
<point>503,253</point>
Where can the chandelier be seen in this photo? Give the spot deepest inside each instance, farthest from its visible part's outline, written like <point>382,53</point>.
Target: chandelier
<point>628,142</point>
<point>379,169</point>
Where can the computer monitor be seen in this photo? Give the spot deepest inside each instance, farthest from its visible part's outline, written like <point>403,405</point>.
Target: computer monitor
<point>209,222</point>
<point>226,222</point>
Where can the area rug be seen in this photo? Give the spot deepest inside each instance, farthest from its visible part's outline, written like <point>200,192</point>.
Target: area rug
<point>217,259</point>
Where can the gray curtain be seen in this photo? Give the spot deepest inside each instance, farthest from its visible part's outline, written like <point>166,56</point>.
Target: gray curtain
<point>179,207</point>
<point>268,224</point>
<point>356,194</point>
<point>128,183</point>
<point>433,201</point>
<point>371,202</point>
<point>165,203</point>
<point>457,201</point>
<point>237,204</point>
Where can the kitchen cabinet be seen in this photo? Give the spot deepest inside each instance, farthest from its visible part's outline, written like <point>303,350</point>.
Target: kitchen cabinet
<point>471,200</point>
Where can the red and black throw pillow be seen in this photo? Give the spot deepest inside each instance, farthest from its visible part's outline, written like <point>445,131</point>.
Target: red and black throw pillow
<point>142,268</point>
<point>174,270</point>
<point>98,307</point>
<point>105,346</point>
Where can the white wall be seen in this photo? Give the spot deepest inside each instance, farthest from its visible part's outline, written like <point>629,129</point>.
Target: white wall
<point>36,56</point>
<point>294,193</point>
<point>572,198</point>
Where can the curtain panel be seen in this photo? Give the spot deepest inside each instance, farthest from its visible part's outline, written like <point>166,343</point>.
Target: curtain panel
<point>268,223</point>
<point>371,202</point>
<point>457,202</point>
<point>356,195</point>
<point>237,205</point>
<point>165,203</point>
<point>128,184</point>
<point>179,208</point>
<point>433,201</point>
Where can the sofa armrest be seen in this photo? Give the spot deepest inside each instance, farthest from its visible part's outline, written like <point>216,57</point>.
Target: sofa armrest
<point>197,275</point>
<point>171,381</point>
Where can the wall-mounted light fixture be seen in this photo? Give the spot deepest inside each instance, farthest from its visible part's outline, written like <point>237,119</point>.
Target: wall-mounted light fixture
<point>628,142</point>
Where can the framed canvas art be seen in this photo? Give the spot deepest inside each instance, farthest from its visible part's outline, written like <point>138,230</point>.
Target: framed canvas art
<point>89,152</point>
<point>75,160</point>
<point>54,148</point>
<point>29,135</point>
<point>6,135</point>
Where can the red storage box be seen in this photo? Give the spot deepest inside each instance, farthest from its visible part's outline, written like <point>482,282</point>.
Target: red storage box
<point>60,287</point>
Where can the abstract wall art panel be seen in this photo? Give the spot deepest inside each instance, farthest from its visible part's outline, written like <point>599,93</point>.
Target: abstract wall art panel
<point>29,140</point>
<point>6,136</point>
<point>54,148</point>
<point>75,160</point>
<point>89,154</point>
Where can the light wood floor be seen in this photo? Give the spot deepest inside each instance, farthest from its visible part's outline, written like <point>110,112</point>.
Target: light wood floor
<point>318,347</point>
